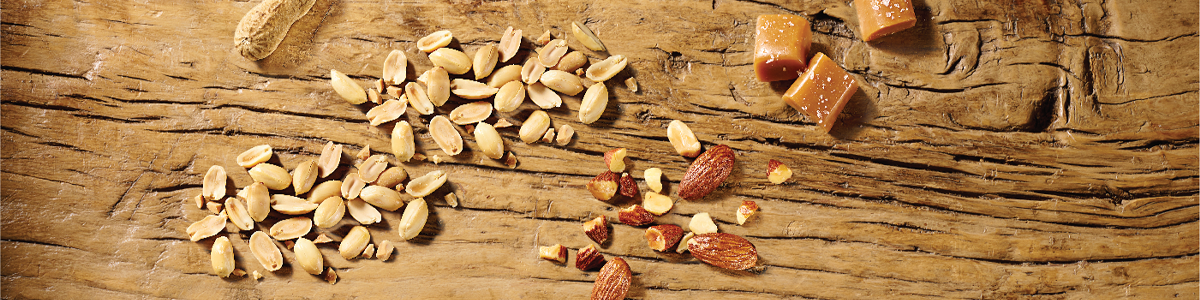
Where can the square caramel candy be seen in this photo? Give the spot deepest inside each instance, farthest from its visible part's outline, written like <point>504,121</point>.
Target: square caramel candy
<point>878,18</point>
<point>781,44</point>
<point>822,91</point>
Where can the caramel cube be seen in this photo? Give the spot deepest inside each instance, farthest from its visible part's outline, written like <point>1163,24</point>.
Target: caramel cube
<point>878,18</point>
<point>781,44</point>
<point>822,91</point>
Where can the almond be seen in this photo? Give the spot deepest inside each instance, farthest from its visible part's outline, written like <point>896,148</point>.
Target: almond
<point>613,281</point>
<point>615,159</point>
<point>635,215</point>
<point>707,172</point>
<point>723,250</point>
<point>556,253</point>
<point>746,211</point>
<point>589,258</point>
<point>604,186</point>
<point>657,204</point>
<point>628,187</point>
<point>777,172</point>
<point>597,229</point>
<point>702,223</point>
<point>653,177</point>
<point>663,237</point>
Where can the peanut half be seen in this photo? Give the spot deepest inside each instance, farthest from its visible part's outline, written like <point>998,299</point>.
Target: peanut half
<point>262,28</point>
<point>572,61</point>
<point>413,221</point>
<point>214,183</point>
<point>291,205</point>
<point>329,212</point>
<point>395,68</point>
<point>265,251</point>
<point>389,111</point>
<point>653,177</point>
<point>403,145</point>
<point>323,191</point>
<point>352,185</point>
<point>562,82</point>
<point>370,168</point>
<point>471,113</point>
<point>309,257</point>
<point>552,52</point>
<point>564,135</point>
<point>331,156</point>
<point>304,176</point>
<point>510,96</point>
<point>418,98</point>
<point>534,127</point>
<point>435,41</point>
<point>543,96</point>
<point>454,61</point>
<point>504,75</point>
<point>489,141</point>
<point>470,89</point>
<point>586,37</point>
<point>254,156</point>
<point>222,257</point>
<point>382,197</point>
<point>445,134</point>
<point>354,243</point>
<point>275,177</point>
<point>291,228</point>
<point>258,201</point>
<point>485,61</point>
<point>438,85</point>
<point>683,139</point>
<point>426,184</point>
<point>510,43</point>
<point>237,213</point>
<point>347,88</point>
<point>606,69</point>
<point>594,103</point>
<point>532,71</point>
<point>209,226</point>
<point>362,212</point>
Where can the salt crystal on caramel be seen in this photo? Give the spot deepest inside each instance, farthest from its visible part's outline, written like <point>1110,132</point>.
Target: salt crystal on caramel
<point>822,91</point>
<point>878,18</point>
<point>781,44</point>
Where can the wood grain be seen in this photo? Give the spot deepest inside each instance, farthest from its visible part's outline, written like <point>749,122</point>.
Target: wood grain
<point>1003,149</point>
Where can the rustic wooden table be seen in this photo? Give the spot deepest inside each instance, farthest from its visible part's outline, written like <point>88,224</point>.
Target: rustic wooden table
<point>999,149</point>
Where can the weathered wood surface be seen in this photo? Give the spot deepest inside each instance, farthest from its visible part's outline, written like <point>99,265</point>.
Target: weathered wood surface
<point>1003,149</point>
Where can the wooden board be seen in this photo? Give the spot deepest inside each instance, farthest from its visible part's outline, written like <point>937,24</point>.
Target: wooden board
<point>999,149</point>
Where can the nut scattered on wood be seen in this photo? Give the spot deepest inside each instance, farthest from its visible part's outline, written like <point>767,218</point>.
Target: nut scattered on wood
<point>275,177</point>
<point>322,238</point>
<point>615,159</point>
<point>604,186</point>
<point>723,250</point>
<point>382,197</point>
<point>572,61</point>
<point>263,27</point>
<point>777,172</point>
<point>434,41</point>
<point>236,211</point>
<point>368,252</point>
<point>631,83</point>
<point>254,156</point>
<point>510,43</point>
<point>222,257</point>
<point>354,242</point>
<point>702,223</point>
<point>391,177</point>
<point>657,204</point>
<point>209,226</point>
<point>331,276</point>
<point>746,211</point>
<point>265,251</point>
<point>607,68</point>
<point>347,88</point>
<point>663,237</point>
<point>565,133</point>
<point>403,145</point>
<point>594,103</point>
<point>470,89</point>
<point>511,160</point>
<point>255,275</point>
<point>549,136</point>
<point>395,68</point>
<point>586,37</point>
<point>552,52</point>
<point>510,96</point>
<point>504,75</point>
<point>385,250</point>
<point>352,185</point>
<point>471,113</point>
<point>485,61</point>
<point>597,229</point>
<point>215,207</point>
<point>362,212</point>
<point>452,199</point>
<point>544,39</point>
<point>613,281</point>
<point>418,98</point>
<point>308,256</point>
<point>707,172</point>
<point>653,177</point>
<point>543,96</point>
<point>556,253</point>
<point>331,156</point>
<point>388,111</point>
<point>304,176</point>
<point>532,70</point>
<point>292,228</point>
<point>291,205</point>
<point>214,183</point>
<point>589,258</point>
<point>454,61</point>
<point>446,135</point>
<point>682,247</point>
<point>629,187</point>
<point>413,220</point>
<point>323,191</point>
<point>562,82</point>
<point>426,184</point>
<point>199,200</point>
<point>635,216</point>
<point>438,86</point>
<point>258,201</point>
<point>489,141</point>
<point>329,212</point>
<point>239,272</point>
<point>683,139</point>
<point>502,123</point>
<point>534,126</point>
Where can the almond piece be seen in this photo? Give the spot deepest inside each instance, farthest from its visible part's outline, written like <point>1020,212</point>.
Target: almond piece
<point>683,139</point>
<point>304,176</point>
<point>214,183</point>
<point>535,126</point>
<point>391,177</point>
<point>352,185</point>
<point>682,247</point>
<point>746,211</point>
<point>777,172</point>
<point>597,229</point>
<point>471,113</point>
<point>613,281</point>
<point>615,159</point>
<point>532,70</point>
<point>543,96</point>
<point>403,145</point>
<point>418,98</point>
<point>329,212</point>
<point>572,61</point>
<point>331,156</point>
<point>291,205</point>
<point>702,223</point>
<point>236,211</point>
<point>208,226</point>
<point>662,238</point>
<point>291,228</point>
<point>426,184</point>
<point>389,111</point>
<point>355,241</point>
<point>385,250</point>
<point>470,89</point>
<point>446,135</point>
<point>588,258</point>
<point>549,136</point>
<point>556,253</point>
<point>258,201</point>
<point>586,37</point>
<point>395,68</point>
<point>564,135</point>
<point>308,256</point>
<point>723,250</point>
<point>707,172</point>
<point>347,88</point>
<point>275,177</point>
<point>488,140</point>
<point>254,156</point>
<point>325,190</point>
<point>595,101</point>
<point>562,82</point>
<point>604,186</point>
<point>413,220</point>
<point>454,61</point>
<point>629,187</point>
<point>510,96</point>
<point>544,39</point>
<point>657,204</point>
<point>485,61</point>
<point>222,257</point>
<point>434,41</point>
<point>635,215</point>
<point>653,177</point>
<point>382,197</point>
<point>510,43</point>
<point>552,52</point>
<point>607,68</point>
<point>265,250</point>
<point>504,75</point>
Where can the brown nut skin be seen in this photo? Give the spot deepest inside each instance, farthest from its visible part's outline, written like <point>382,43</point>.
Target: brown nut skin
<point>662,238</point>
<point>604,186</point>
<point>613,281</point>
<point>589,258</point>
<point>724,250</point>
<point>597,229</point>
<point>706,173</point>
<point>635,215</point>
<point>629,187</point>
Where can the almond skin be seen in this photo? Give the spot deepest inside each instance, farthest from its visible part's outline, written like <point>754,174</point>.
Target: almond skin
<point>635,215</point>
<point>777,172</point>
<point>604,186</point>
<point>706,173</point>
<point>613,281</point>
<point>629,187</point>
<point>663,237</point>
<point>589,258</point>
<point>597,229</point>
<point>723,250</point>
<point>746,211</point>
